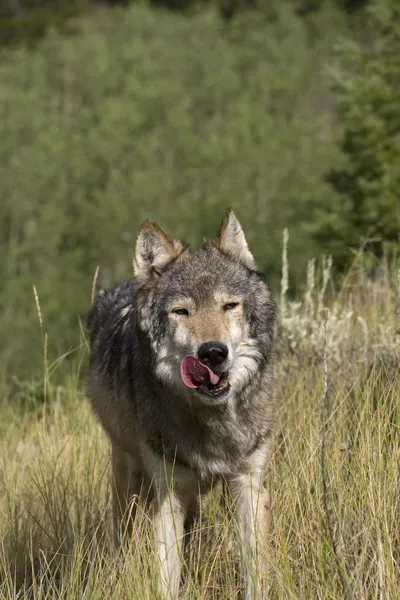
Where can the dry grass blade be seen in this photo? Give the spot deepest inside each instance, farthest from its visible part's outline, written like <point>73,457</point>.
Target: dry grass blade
<point>39,312</point>
<point>340,568</point>
<point>96,274</point>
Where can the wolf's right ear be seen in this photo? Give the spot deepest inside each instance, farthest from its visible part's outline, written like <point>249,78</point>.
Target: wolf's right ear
<point>154,252</point>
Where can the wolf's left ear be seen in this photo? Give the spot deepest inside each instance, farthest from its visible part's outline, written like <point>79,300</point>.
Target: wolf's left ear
<point>154,252</point>
<point>231,240</point>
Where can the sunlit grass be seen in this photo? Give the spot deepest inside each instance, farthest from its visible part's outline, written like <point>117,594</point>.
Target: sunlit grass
<point>55,517</point>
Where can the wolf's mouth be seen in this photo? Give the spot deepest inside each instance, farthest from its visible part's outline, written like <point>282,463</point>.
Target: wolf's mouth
<point>217,389</point>
<point>197,375</point>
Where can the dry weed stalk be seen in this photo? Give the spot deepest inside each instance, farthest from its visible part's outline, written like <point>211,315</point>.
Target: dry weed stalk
<point>96,274</point>
<point>343,575</point>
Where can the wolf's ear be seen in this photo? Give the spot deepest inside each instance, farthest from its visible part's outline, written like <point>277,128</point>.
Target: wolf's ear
<point>231,240</point>
<point>154,252</point>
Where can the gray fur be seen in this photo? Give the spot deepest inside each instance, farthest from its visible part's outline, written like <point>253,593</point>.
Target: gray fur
<point>164,435</point>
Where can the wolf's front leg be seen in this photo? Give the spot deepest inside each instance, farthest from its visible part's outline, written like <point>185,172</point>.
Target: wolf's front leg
<point>252,509</point>
<point>129,484</point>
<point>168,519</point>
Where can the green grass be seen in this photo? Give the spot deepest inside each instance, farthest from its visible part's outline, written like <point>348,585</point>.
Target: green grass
<point>55,493</point>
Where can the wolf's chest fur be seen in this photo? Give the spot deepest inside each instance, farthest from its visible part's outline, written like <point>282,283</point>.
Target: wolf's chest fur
<point>212,442</point>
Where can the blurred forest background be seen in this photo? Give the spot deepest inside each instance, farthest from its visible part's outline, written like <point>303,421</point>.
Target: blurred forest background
<point>288,110</point>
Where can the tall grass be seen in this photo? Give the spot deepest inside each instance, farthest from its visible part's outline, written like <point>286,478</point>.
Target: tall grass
<point>54,481</point>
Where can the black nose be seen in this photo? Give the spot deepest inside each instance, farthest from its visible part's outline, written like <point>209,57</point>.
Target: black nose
<point>213,353</point>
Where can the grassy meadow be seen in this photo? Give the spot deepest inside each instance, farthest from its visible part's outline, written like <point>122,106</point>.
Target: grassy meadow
<point>341,543</point>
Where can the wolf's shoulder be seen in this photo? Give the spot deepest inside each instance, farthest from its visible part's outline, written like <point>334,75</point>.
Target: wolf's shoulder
<point>108,304</point>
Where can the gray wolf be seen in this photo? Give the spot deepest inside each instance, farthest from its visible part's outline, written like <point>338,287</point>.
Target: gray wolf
<point>182,379</point>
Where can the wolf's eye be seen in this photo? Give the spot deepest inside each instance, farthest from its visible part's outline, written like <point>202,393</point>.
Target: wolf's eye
<point>181,311</point>
<point>230,305</point>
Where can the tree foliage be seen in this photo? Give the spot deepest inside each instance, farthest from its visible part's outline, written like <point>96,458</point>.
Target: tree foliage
<point>152,114</point>
<point>367,85</point>
<point>28,20</point>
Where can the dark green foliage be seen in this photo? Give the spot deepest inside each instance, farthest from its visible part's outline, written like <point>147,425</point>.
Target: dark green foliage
<point>27,20</point>
<point>368,181</point>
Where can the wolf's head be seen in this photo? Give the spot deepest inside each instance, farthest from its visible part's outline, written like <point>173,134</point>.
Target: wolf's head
<point>208,313</point>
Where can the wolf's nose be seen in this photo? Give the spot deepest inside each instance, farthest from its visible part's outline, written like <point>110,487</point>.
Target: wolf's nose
<point>213,353</point>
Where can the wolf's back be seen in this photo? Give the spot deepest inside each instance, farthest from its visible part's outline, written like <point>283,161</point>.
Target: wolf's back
<point>107,306</point>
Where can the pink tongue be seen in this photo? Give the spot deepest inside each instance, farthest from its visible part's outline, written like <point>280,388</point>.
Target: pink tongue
<point>194,373</point>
